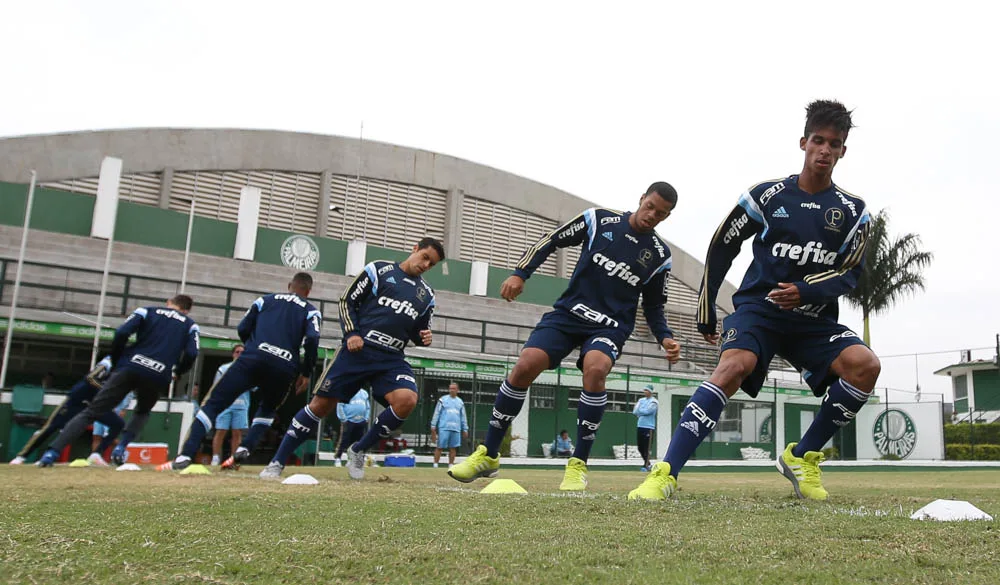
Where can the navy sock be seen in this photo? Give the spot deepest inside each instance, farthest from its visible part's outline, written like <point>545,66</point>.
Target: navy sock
<point>199,428</point>
<point>385,423</point>
<point>589,413</point>
<point>697,422</point>
<point>262,421</point>
<point>303,424</point>
<point>841,403</point>
<point>124,439</point>
<point>508,404</point>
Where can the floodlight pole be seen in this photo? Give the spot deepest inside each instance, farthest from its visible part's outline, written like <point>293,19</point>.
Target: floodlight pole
<point>17,279</point>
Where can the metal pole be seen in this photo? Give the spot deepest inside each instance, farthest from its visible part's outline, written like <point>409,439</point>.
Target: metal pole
<point>17,279</point>
<point>187,241</point>
<point>104,292</point>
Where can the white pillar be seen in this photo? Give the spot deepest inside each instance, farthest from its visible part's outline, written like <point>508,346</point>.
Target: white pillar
<point>479,279</point>
<point>246,226</point>
<point>356,251</point>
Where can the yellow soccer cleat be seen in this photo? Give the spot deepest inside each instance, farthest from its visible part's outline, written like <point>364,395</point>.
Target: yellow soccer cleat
<point>477,465</point>
<point>575,478</point>
<point>658,485</point>
<point>803,472</point>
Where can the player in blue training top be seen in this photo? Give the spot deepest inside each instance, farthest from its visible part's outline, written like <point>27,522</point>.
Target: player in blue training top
<point>449,425</point>
<point>386,306</point>
<point>809,245</point>
<point>77,399</point>
<point>353,417</point>
<point>165,337</point>
<point>273,329</point>
<point>621,258</point>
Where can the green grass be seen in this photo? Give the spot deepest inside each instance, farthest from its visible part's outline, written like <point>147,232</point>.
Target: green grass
<point>418,526</point>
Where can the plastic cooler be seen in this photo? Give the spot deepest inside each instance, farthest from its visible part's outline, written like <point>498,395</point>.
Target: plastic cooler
<point>147,453</point>
<point>400,461</point>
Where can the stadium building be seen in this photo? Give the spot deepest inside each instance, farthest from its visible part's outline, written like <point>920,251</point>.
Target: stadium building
<point>328,205</point>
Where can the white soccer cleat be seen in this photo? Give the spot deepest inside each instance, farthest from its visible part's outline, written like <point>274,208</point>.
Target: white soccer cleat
<point>17,460</point>
<point>355,463</point>
<point>272,471</point>
<point>215,461</point>
<point>337,463</point>
<point>97,460</point>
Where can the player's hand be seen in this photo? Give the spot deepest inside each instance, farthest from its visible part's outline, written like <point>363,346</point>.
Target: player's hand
<point>355,343</point>
<point>512,287</point>
<point>434,435</point>
<point>673,349</point>
<point>712,338</point>
<point>786,295</point>
<point>426,337</point>
<point>465,434</point>
<point>301,384</point>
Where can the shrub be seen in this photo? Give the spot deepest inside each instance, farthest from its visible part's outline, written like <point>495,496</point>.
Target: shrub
<point>831,453</point>
<point>980,433</point>
<point>967,452</point>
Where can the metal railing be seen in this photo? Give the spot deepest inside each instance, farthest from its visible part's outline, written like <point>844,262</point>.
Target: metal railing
<point>76,291</point>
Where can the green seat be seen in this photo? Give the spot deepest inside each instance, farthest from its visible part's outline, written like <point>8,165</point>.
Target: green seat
<point>27,402</point>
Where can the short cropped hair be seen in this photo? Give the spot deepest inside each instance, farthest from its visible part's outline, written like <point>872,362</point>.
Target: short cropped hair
<point>828,114</point>
<point>182,302</point>
<point>431,243</point>
<point>303,280</point>
<point>664,190</point>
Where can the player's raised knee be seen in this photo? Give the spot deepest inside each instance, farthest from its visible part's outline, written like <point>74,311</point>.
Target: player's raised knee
<point>860,367</point>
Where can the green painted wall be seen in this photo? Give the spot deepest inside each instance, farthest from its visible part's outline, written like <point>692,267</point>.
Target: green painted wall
<point>986,385</point>
<point>54,211</point>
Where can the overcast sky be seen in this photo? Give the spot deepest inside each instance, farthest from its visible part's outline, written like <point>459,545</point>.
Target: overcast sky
<point>597,101</point>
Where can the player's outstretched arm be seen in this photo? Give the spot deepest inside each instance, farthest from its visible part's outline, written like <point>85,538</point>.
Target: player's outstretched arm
<point>249,321</point>
<point>654,298</point>
<point>350,303</point>
<point>191,349</point>
<point>741,224</point>
<point>124,331</point>
<point>572,233</point>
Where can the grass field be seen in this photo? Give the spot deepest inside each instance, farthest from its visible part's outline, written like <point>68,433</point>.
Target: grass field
<point>418,526</point>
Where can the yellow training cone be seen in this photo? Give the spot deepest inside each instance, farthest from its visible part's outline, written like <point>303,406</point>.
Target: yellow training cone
<point>196,469</point>
<point>79,463</point>
<point>503,486</point>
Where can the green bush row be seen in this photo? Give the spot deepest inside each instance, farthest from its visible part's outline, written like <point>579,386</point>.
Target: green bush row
<point>980,433</point>
<point>967,452</point>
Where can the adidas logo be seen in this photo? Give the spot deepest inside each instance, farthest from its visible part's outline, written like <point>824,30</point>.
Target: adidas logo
<point>391,280</point>
<point>691,426</point>
<point>610,236</point>
<point>780,212</point>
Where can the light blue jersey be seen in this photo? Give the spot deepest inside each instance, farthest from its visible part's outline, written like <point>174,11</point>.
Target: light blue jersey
<point>646,409</point>
<point>355,411</point>
<point>241,403</point>
<point>449,415</point>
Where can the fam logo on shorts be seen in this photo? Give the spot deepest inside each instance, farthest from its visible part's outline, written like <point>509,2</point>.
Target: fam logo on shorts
<point>894,433</point>
<point>300,252</point>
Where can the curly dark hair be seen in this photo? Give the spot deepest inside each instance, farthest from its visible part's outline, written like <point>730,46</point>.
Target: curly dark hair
<point>828,113</point>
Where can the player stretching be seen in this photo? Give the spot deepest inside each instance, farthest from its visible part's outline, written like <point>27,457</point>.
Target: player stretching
<point>76,400</point>
<point>621,258</point>
<point>273,329</point>
<point>165,337</point>
<point>387,305</point>
<point>808,250</point>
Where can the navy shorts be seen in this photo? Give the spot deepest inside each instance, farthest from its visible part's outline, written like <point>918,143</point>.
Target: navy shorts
<point>808,343</point>
<point>560,332</point>
<point>381,370</point>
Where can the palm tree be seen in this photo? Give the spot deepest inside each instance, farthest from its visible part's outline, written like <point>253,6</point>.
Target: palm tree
<point>893,269</point>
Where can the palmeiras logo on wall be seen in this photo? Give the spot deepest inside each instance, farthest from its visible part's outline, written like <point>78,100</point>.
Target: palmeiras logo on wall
<point>894,433</point>
<point>300,252</point>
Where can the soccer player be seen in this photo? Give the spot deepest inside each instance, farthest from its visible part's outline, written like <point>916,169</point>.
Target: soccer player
<point>645,409</point>
<point>353,417</point>
<point>236,418</point>
<point>621,258</point>
<point>449,425</point>
<point>273,329</point>
<point>165,337</point>
<point>809,238</point>
<point>387,305</point>
<point>76,400</point>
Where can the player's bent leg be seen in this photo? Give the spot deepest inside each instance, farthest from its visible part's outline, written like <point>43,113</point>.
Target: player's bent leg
<point>304,423</point>
<point>401,403</point>
<point>589,413</point>
<point>857,369</point>
<point>511,395</point>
